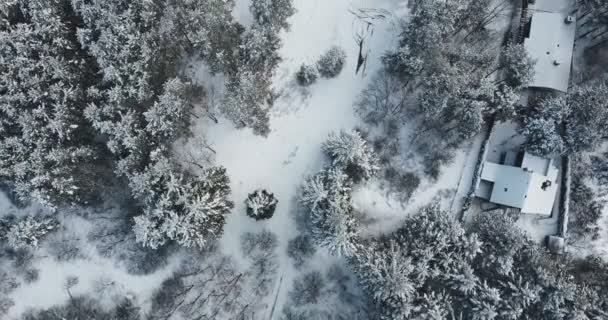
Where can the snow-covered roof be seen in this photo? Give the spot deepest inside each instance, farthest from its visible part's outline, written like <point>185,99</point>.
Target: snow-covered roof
<point>553,5</point>
<point>550,43</point>
<point>522,187</point>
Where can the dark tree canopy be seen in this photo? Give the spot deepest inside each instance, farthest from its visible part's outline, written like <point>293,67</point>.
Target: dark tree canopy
<point>569,124</point>
<point>432,268</point>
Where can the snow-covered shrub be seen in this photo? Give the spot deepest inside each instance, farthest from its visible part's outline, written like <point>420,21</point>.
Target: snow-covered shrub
<point>349,152</point>
<point>300,249</point>
<point>28,232</point>
<point>261,204</point>
<point>332,62</point>
<point>307,75</point>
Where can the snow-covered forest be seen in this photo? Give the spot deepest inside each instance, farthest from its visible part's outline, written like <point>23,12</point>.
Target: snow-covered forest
<point>301,160</point>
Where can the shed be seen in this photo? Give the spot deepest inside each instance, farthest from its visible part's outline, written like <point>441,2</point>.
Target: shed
<point>550,44</point>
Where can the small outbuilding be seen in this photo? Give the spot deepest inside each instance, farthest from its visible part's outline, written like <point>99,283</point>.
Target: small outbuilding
<point>550,43</point>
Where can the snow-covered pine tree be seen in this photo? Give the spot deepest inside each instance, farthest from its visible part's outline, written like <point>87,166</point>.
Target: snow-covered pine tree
<point>27,232</point>
<point>245,103</point>
<point>180,207</point>
<point>586,116</point>
<point>349,152</point>
<point>307,75</point>
<point>542,137</point>
<point>169,117</point>
<point>46,147</point>
<point>400,271</point>
<point>249,96</point>
<point>328,197</point>
<point>571,123</point>
<point>261,204</point>
<point>518,66</point>
<point>389,277</point>
<point>272,13</point>
<point>331,63</point>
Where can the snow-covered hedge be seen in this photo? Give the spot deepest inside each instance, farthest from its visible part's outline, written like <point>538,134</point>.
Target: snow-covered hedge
<point>307,75</point>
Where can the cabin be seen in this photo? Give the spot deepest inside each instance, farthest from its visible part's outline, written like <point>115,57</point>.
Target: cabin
<point>521,181</point>
<point>549,40</point>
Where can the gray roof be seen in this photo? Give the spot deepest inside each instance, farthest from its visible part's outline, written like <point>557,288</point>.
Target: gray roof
<point>550,44</point>
<point>522,187</point>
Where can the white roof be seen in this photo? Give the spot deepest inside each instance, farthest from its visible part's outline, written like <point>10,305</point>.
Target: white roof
<point>539,165</point>
<point>553,5</point>
<point>539,201</point>
<point>522,187</point>
<point>551,40</point>
<point>510,184</point>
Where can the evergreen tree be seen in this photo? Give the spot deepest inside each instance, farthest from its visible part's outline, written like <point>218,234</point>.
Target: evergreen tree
<point>46,148</point>
<point>273,13</point>
<point>571,123</point>
<point>327,197</point>
<point>518,66</point>
<point>26,232</point>
<point>261,204</point>
<point>249,95</point>
<point>181,207</point>
<point>349,152</point>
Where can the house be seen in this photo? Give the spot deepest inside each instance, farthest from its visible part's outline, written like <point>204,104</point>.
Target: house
<point>550,42</point>
<point>522,181</point>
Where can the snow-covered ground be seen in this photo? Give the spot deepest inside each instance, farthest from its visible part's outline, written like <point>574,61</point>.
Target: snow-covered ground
<point>301,120</point>
<point>102,277</point>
